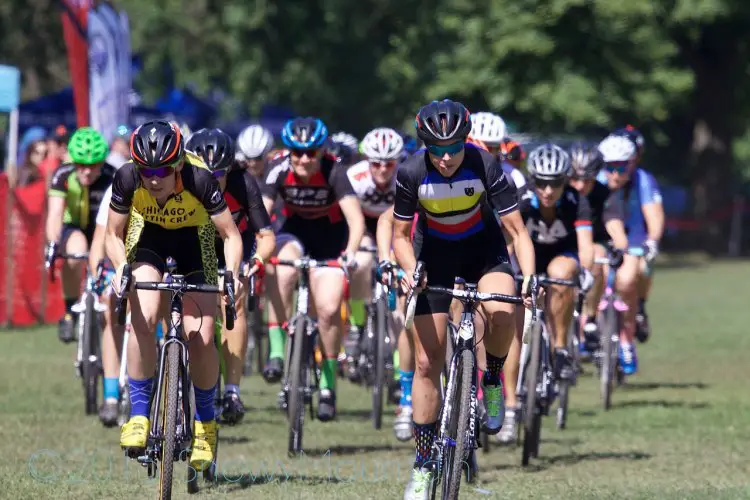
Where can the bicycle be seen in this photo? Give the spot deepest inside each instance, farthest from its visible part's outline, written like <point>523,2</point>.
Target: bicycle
<point>88,363</point>
<point>536,387</point>
<point>257,348</point>
<point>610,319</point>
<point>458,431</point>
<point>301,375</point>
<point>564,386</point>
<point>171,429</point>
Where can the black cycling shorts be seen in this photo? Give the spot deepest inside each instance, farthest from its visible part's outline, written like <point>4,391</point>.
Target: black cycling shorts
<point>320,238</point>
<point>545,255</point>
<point>69,229</point>
<point>193,248</point>
<point>470,259</point>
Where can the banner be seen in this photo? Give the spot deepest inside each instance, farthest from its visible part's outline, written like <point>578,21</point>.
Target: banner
<point>10,88</point>
<point>74,19</point>
<point>126,68</point>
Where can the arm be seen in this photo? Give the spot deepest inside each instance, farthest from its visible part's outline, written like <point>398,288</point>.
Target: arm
<point>585,237</point>
<point>654,215</point>
<point>384,235</point>
<point>232,240</point>
<point>355,220</point>
<point>402,246</point>
<point>265,244</point>
<point>55,212</point>
<point>96,252</point>
<point>114,243</point>
<point>522,244</point>
<point>616,230</point>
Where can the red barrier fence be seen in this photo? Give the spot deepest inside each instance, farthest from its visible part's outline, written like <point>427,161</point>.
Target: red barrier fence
<point>28,296</point>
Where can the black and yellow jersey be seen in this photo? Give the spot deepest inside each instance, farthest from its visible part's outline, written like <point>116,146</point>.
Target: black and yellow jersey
<point>197,196</point>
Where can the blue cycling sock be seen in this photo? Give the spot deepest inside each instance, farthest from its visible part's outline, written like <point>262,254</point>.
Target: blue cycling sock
<point>204,403</point>
<point>424,435</point>
<point>111,388</point>
<point>140,396</point>
<point>405,379</point>
<point>159,331</point>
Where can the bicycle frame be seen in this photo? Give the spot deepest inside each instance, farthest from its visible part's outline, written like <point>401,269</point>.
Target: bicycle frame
<point>80,308</point>
<point>546,387</point>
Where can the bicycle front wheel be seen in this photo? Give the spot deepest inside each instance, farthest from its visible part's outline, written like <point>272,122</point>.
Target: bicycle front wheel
<point>532,416</point>
<point>380,331</point>
<point>169,419</point>
<point>90,368</point>
<point>296,409</point>
<point>608,329</point>
<point>458,445</point>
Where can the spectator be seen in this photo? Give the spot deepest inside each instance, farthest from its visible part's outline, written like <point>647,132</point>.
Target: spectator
<point>57,144</point>
<point>29,171</point>
<point>119,149</point>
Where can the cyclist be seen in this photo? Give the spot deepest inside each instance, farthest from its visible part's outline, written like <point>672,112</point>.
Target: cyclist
<point>347,147</point>
<point>489,132</point>
<point>459,191</point>
<point>586,162</point>
<point>654,215</point>
<point>242,194</point>
<point>324,222</point>
<point>253,144</point>
<point>374,182</point>
<point>75,192</point>
<point>165,203</point>
<point>644,221</point>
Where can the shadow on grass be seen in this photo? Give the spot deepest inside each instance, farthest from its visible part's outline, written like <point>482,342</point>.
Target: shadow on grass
<point>543,462</point>
<point>333,451</point>
<point>650,386</point>
<point>224,439</point>
<point>660,403</point>
<point>354,414</point>
<point>242,481</point>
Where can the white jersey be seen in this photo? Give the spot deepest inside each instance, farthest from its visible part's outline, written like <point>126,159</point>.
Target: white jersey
<point>374,201</point>
<point>103,213</point>
<point>515,175</point>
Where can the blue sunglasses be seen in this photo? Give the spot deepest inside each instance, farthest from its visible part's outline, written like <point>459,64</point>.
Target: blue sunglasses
<point>620,167</point>
<point>450,149</point>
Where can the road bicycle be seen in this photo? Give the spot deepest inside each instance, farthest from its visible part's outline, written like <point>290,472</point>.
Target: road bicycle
<point>610,320</point>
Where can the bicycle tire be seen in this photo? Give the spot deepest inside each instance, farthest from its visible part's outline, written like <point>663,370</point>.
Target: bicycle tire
<point>296,408</point>
<point>459,420</point>
<point>90,368</point>
<point>450,335</point>
<point>381,331</point>
<point>169,420</point>
<point>532,415</point>
<point>562,408</point>
<point>607,325</point>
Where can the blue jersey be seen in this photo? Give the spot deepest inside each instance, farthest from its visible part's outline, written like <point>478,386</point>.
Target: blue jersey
<point>641,190</point>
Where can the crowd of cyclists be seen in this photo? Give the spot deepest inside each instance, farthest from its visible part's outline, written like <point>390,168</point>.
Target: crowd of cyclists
<point>462,197</point>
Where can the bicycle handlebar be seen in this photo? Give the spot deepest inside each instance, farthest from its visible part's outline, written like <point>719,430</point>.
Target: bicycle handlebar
<point>305,263</point>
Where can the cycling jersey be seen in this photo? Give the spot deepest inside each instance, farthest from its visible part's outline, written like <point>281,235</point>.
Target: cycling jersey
<point>641,190</point>
<point>81,202</point>
<point>514,175</point>
<point>603,201</point>
<point>373,199</point>
<point>558,236</point>
<point>103,212</point>
<point>457,233</point>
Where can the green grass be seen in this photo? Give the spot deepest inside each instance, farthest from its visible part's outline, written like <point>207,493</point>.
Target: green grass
<point>680,430</point>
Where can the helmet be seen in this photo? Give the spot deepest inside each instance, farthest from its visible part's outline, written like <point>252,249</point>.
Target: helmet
<point>410,143</point>
<point>214,147</point>
<point>157,143</point>
<point>304,133</point>
<point>444,120</point>
<point>346,139</point>
<point>87,147</point>
<point>341,151</point>
<point>586,161</point>
<point>548,161</point>
<point>255,142</point>
<point>634,135</point>
<point>616,148</point>
<point>487,128</point>
<point>382,144</point>
<point>512,152</point>
<point>477,143</point>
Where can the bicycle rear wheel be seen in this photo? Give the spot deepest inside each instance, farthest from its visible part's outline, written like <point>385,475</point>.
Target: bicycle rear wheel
<point>90,368</point>
<point>532,416</point>
<point>169,419</point>
<point>380,331</point>
<point>297,386</point>
<point>608,327</point>
<point>454,457</point>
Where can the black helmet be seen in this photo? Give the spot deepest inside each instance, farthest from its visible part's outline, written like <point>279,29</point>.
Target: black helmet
<point>586,161</point>
<point>214,146</point>
<point>444,120</point>
<point>157,143</point>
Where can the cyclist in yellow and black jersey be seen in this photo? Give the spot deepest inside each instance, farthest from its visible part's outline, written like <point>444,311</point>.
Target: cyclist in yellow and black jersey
<point>171,206</point>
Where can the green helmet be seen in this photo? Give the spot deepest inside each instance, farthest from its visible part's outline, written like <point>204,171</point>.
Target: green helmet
<point>87,147</point>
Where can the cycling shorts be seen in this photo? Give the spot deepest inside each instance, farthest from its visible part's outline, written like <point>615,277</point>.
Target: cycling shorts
<point>193,248</point>
<point>648,269</point>
<point>69,229</point>
<point>469,258</point>
<point>248,248</point>
<point>318,239</point>
<point>543,258</point>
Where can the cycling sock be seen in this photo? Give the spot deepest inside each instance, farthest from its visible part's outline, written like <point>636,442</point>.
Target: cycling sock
<point>69,303</point>
<point>140,396</point>
<point>328,374</point>
<point>235,388</point>
<point>277,341</point>
<point>641,306</point>
<point>111,388</point>
<point>358,315</point>
<point>494,369</point>
<point>204,403</point>
<point>424,436</point>
<point>159,331</point>
<point>396,365</point>
<point>406,379</point>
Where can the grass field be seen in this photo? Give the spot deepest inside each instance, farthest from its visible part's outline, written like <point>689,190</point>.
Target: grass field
<point>679,430</point>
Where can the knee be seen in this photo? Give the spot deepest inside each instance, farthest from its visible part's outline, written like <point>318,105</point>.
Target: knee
<point>424,366</point>
<point>597,271</point>
<point>561,269</point>
<point>502,320</point>
<point>328,311</point>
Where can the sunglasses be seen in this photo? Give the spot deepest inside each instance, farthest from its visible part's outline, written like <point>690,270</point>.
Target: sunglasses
<point>553,183</point>
<point>620,167</point>
<point>450,149</point>
<point>299,153</point>
<point>160,172</point>
<point>383,164</point>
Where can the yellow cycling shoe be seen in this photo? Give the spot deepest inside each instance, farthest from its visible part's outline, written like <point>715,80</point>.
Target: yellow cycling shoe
<point>204,445</point>
<point>134,433</point>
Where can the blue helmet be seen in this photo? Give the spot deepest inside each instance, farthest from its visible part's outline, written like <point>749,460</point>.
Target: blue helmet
<point>410,143</point>
<point>634,135</point>
<point>304,133</point>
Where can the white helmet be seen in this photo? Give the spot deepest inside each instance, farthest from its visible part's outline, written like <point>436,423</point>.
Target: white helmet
<point>488,128</point>
<point>382,144</point>
<point>255,141</point>
<point>346,139</point>
<point>548,161</point>
<point>616,148</point>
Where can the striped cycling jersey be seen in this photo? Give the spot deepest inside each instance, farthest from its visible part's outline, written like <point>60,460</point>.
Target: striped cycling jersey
<point>455,207</point>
